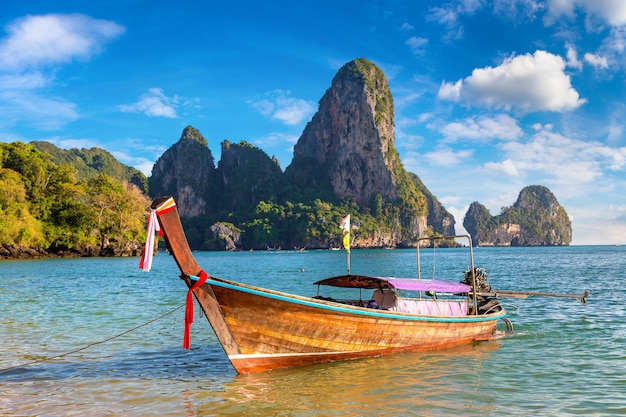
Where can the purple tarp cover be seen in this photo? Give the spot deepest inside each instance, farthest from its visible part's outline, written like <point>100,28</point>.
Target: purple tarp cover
<point>410,284</point>
<point>413,284</point>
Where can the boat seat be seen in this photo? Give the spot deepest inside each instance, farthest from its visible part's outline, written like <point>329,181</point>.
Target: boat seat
<point>385,298</point>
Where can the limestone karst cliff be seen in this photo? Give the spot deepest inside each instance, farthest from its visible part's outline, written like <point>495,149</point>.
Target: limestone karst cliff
<point>185,171</point>
<point>347,150</point>
<point>349,142</point>
<point>536,219</point>
<point>344,161</point>
<point>246,176</point>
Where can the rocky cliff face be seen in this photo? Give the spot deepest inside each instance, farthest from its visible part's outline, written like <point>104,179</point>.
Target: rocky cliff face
<point>439,219</point>
<point>247,176</point>
<point>348,149</point>
<point>536,219</point>
<point>351,136</point>
<point>346,154</point>
<point>186,171</point>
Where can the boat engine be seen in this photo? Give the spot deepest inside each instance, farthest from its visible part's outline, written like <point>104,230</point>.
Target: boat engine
<point>485,304</point>
<point>481,280</point>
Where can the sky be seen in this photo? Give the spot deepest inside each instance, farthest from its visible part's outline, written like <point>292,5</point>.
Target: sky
<point>489,96</point>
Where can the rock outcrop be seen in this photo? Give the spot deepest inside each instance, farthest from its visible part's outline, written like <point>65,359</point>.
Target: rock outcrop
<point>349,142</point>
<point>536,219</point>
<point>225,236</point>
<point>186,171</point>
<point>439,219</point>
<point>246,176</point>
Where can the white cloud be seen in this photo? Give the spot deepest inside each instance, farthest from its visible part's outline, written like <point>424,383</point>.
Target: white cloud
<point>448,17</point>
<point>447,157</point>
<point>154,103</point>
<point>518,10</point>
<point>506,167</point>
<point>569,163</point>
<point>21,102</point>
<point>616,41</point>
<point>29,56</point>
<point>590,224</point>
<point>557,8</point>
<point>277,143</point>
<point>143,164</point>
<point>450,91</point>
<point>27,81</point>
<point>54,38</point>
<point>572,58</point>
<point>276,138</point>
<point>417,45</point>
<point>615,132</point>
<point>288,110</point>
<point>597,61</point>
<point>73,143</point>
<point>526,83</point>
<point>501,126</point>
<point>612,12</point>
<point>45,113</point>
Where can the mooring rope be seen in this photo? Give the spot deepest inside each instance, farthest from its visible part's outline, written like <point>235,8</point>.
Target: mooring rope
<point>92,344</point>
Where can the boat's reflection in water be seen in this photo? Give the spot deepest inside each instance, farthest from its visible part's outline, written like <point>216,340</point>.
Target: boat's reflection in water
<point>383,385</point>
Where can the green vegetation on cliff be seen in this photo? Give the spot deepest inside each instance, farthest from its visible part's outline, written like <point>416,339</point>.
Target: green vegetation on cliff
<point>90,163</point>
<point>372,75</point>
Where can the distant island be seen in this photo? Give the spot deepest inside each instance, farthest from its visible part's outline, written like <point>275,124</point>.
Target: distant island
<point>84,202</point>
<point>536,219</point>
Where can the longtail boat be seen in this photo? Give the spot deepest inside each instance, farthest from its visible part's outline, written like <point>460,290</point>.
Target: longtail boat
<point>262,329</point>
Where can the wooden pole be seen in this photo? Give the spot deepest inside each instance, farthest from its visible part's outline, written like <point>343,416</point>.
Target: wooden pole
<point>526,294</point>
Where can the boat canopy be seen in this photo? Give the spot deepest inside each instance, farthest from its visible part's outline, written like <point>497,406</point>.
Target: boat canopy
<point>410,284</point>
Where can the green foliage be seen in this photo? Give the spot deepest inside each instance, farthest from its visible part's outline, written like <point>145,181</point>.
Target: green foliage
<point>314,224</point>
<point>250,174</point>
<point>291,224</point>
<point>89,163</point>
<point>42,205</point>
<point>191,133</point>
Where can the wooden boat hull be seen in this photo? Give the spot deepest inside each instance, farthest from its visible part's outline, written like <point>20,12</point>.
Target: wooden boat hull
<point>262,329</point>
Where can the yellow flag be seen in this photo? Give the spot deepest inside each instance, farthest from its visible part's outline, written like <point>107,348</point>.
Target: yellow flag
<point>345,225</point>
<point>346,241</point>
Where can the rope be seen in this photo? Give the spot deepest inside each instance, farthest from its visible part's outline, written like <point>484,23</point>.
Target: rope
<point>92,344</point>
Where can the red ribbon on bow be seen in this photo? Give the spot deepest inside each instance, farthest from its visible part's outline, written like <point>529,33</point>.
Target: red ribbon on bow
<point>189,307</point>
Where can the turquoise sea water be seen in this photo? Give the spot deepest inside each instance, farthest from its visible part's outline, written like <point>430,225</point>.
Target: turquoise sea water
<point>563,359</point>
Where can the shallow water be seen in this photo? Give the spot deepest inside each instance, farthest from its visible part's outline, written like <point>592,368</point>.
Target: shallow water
<point>564,358</point>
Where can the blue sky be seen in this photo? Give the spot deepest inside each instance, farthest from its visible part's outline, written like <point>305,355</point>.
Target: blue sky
<point>490,96</point>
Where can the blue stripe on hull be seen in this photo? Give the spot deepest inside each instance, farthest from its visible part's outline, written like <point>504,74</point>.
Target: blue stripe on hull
<point>358,311</point>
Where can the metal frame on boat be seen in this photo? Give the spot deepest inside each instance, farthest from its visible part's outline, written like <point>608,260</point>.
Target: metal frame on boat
<point>262,329</point>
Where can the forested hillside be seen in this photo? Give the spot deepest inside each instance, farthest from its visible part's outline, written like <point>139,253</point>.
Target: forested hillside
<point>46,210</point>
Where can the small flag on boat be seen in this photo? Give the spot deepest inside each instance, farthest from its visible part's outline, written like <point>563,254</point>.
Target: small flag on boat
<point>345,226</point>
<point>145,263</point>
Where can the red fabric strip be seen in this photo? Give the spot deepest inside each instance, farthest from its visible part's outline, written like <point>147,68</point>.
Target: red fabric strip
<point>166,210</point>
<point>189,307</point>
